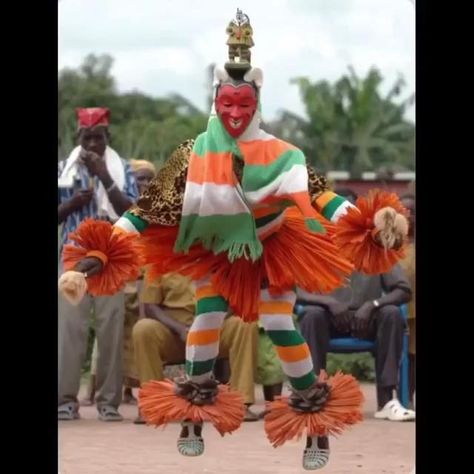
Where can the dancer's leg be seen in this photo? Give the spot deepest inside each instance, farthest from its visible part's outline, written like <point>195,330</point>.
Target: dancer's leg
<point>202,348</point>
<point>276,317</point>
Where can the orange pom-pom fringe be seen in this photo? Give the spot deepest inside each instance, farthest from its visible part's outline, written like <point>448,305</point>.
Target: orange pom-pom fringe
<point>122,250</point>
<point>293,256</point>
<point>355,234</point>
<point>159,405</point>
<point>342,409</point>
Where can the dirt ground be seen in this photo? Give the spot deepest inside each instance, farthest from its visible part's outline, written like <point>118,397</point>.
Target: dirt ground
<point>89,446</point>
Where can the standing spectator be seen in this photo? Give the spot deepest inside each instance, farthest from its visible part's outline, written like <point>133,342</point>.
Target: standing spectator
<point>144,171</point>
<point>93,182</point>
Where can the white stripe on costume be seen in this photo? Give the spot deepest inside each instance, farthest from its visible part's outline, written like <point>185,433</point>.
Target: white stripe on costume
<point>277,322</point>
<point>292,181</point>
<point>208,199</point>
<point>288,296</point>
<point>297,369</point>
<point>341,211</point>
<point>125,224</point>
<point>206,321</point>
<point>198,353</point>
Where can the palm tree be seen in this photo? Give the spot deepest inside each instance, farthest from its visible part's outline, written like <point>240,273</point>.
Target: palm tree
<point>374,127</point>
<point>351,126</point>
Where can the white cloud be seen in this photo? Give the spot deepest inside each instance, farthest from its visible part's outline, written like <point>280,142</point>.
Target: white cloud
<point>164,46</point>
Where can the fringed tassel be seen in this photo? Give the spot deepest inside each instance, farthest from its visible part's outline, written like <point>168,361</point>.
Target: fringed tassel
<point>160,405</point>
<point>123,252</point>
<point>314,225</point>
<point>356,233</point>
<point>342,409</point>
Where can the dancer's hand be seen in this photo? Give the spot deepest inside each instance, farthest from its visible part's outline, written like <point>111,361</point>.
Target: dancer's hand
<point>89,266</point>
<point>361,320</point>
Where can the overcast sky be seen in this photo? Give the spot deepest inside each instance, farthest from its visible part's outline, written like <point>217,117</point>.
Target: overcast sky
<point>164,46</point>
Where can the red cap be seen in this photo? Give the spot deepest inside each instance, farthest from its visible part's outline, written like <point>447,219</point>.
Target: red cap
<point>92,117</point>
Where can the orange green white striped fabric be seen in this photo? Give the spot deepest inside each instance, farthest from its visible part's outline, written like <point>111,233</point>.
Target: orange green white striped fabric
<point>332,206</point>
<point>218,211</point>
<point>202,344</point>
<point>276,317</point>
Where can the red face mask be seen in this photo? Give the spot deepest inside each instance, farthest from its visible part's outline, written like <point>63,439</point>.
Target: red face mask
<point>236,106</point>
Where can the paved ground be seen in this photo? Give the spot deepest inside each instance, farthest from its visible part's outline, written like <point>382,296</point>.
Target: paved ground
<point>89,446</point>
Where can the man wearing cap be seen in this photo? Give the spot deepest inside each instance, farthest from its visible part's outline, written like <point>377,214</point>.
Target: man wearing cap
<point>93,182</point>
<point>144,171</point>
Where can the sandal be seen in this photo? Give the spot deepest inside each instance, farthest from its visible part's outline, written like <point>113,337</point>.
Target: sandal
<point>250,415</point>
<point>394,411</point>
<point>190,445</point>
<point>315,457</point>
<point>68,411</point>
<point>108,413</point>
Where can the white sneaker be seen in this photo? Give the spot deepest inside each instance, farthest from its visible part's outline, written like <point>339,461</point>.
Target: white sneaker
<point>394,411</point>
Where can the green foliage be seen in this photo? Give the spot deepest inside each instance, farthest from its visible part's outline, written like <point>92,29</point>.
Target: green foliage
<point>361,366</point>
<point>141,126</point>
<point>350,125</point>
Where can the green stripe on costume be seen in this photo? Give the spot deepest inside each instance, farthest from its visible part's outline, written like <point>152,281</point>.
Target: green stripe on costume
<point>315,226</point>
<point>138,223</point>
<point>304,382</point>
<point>258,176</point>
<point>220,233</point>
<point>220,142</point>
<point>210,304</point>
<point>331,207</point>
<point>286,338</point>
<point>199,367</point>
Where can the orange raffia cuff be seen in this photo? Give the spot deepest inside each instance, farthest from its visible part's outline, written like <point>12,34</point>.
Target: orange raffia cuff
<point>122,252</point>
<point>159,404</point>
<point>356,234</point>
<point>98,254</point>
<point>342,409</point>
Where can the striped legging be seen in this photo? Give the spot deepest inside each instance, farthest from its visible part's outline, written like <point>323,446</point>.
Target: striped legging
<point>275,313</point>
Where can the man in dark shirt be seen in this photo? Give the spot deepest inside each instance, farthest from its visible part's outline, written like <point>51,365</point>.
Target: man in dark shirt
<point>368,308</point>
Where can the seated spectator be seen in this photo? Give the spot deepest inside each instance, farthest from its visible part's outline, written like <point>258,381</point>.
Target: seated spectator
<point>159,339</point>
<point>370,309</point>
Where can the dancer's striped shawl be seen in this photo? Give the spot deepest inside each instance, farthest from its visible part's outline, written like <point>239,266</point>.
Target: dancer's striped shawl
<point>217,210</point>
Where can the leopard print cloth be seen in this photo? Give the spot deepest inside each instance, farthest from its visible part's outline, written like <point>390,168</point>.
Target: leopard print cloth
<point>162,201</point>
